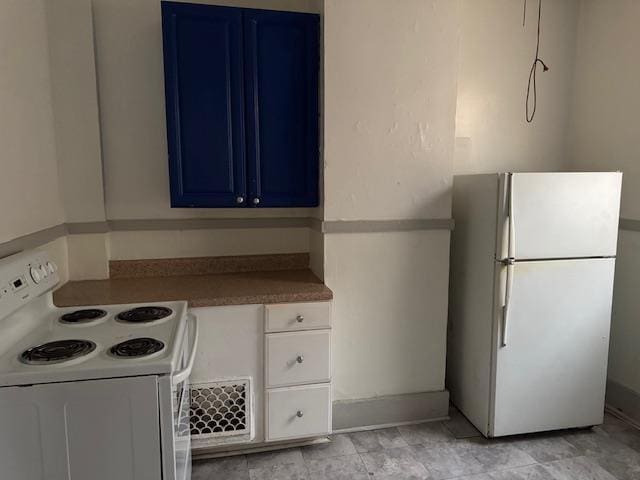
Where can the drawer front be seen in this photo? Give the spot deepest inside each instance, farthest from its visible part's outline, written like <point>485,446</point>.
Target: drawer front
<point>298,412</point>
<point>297,358</point>
<point>297,316</point>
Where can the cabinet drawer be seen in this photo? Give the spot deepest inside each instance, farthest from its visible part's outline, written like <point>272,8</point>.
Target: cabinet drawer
<point>298,412</point>
<point>297,316</point>
<point>297,357</point>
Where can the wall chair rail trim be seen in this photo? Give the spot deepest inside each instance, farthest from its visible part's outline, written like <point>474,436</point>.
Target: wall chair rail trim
<point>42,237</point>
<point>373,226</point>
<point>32,240</point>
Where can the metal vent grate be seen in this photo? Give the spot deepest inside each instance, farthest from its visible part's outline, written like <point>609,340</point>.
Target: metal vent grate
<point>220,409</point>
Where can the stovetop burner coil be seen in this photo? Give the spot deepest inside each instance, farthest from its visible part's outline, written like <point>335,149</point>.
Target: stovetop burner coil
<point>57,352</point>
<point>144,314</point>
<point>136,347</point>
<point>83,316</point>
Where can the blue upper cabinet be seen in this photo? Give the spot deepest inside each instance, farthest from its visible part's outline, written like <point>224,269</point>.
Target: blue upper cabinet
<point>242,106</point>
<point>281,77</point>
<point>204,103</point>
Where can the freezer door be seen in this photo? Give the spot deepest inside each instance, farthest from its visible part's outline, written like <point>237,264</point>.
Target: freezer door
<point>564,215</point>
<point>551,360</point>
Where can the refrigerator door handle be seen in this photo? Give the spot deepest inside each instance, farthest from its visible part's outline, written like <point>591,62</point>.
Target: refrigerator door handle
<point>510,264</point>
<point>511,249</point>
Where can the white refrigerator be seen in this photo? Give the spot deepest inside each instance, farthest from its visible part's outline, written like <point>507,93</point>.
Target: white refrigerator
<point>532,267</point>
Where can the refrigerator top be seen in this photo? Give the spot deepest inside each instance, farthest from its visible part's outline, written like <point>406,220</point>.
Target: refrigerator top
<point>558,215</point>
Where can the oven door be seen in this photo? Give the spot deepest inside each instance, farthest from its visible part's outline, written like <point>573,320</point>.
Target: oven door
<point>181,430</point>
<point>178,437</point>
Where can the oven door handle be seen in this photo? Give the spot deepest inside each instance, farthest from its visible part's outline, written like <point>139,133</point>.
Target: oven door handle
<point>183,374</point>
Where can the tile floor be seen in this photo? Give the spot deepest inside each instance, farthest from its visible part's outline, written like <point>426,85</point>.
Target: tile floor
<point>442,450</point>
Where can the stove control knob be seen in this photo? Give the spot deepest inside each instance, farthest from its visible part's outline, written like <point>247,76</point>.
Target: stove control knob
<point>44,271</point>
<point>51,267</point>
<point>35,275</point>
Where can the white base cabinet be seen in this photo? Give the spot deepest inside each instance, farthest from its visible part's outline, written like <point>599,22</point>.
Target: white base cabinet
<point>286,350</point>
<point>298,358</point>
<point>288,317</point>
<point>298,412</point>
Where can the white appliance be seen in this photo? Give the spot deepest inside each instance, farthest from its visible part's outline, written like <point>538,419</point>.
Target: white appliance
<point>533,257</point>
<point>94,392</point>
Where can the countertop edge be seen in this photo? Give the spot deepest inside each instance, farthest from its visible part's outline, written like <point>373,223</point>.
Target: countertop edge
<point>307,288</point>
<point>266,299</point>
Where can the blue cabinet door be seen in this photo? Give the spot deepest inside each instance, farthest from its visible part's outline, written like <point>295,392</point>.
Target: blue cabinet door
<point>281,63</point>
<point>203,59</point>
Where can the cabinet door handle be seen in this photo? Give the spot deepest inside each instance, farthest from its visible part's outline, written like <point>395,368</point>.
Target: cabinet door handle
<point>256,201</point>
<point>299,414</point>
<point>300,359</point>
<point>300,318</point>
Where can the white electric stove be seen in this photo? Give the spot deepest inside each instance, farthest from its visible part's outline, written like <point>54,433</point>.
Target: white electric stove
<point>95,392</point>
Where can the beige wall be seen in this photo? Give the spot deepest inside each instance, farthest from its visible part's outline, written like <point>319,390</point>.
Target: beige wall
<point>75,104</point>
<point>495,57</point>
<point>389,311</point>
<point>131,87</point>
<point>605,128</point>
<point>29,191</point>
<point>390,82</point>
<point>89,256</point>
<point>203,243</point>
<point>604,136</point>
<point>390,88</point>
<point>624,354</point>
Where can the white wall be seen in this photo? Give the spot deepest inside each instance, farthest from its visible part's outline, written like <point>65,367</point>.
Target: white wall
<point>89,256</point>
<point>204,243</point>
<point>604,136</point>
<point>496,53</point>
<point>75,104</point>
<point>29,192</point>
<point>390,87</point>
<point>624,354</point>
<point>389,311</point>
<point>131,88</point>
<point>605,129</point>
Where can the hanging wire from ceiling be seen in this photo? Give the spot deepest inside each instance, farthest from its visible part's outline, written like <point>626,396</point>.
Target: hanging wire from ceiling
<point>531,85</point>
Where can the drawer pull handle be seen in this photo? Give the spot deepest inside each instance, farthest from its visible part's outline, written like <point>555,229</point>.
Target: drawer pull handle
<point>299,359</point>
<point>299,414</point>
<point>300,318</point>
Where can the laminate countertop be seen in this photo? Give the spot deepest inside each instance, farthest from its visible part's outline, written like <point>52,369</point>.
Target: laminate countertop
<point>240,288</point>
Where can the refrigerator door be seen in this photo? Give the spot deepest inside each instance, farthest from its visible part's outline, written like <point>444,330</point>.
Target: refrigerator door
<point>563,215</point>
<point>550,362</point>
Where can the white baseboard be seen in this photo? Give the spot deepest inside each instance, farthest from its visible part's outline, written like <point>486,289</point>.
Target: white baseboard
<point>353,416</point>
<point>389,425</point>
<point>623,402</point>
<point>391,410</point>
